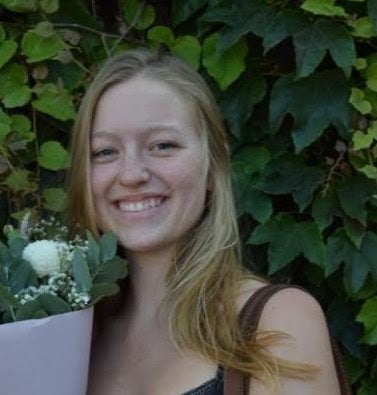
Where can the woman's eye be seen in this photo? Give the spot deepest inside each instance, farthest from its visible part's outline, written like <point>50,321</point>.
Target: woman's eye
<point>164,146</point>
<point>103,153</point>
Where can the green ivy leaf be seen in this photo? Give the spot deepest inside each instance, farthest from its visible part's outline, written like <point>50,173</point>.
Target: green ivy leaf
<point>324,209</point>
<point>355,230</point>
<point>287,175</point>
<point>187,48</point>
<point>19,180</point>
<point>102,290</point>
<point>323,7</point>
<point>312,43</point>
<point>238,102</point>
<point>337,251</point>
<point>183,9</point>
<point>13,89</point>
<point>327,104</point>
<point>368,317</point>
<point>228,66</point>
<point>7,49</point>
<point>358,101</point>
<point>5,125</point>
<point>22,125</point>
<point>161,35</point>
<point>55,101</point>
<point>371,76</point>
<point>20,5</point>
<point>41,43</point>
<point>49,6</point>
<point>53,156</point>
<point>2,33</point>
<point>362,27</point>
<point>55,199</point>
<point>81,272</point>
<point>372,11</point>
<point>361,140</point>
<point>287,240</point>
<point>241,17</point>
<point>137,14</point>
<point>353,194</point>
<point>285,23</point>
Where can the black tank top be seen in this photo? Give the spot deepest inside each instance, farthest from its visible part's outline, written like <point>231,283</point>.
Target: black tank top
<point>210,387</point>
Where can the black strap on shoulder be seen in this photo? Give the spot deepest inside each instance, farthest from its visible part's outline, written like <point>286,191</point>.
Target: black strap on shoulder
<point>237,383</point>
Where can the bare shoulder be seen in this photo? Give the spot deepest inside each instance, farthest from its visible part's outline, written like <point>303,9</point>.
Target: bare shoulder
<point>299,316</point>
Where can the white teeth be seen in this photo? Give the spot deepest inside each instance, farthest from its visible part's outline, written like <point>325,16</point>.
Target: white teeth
<point>139,206</point>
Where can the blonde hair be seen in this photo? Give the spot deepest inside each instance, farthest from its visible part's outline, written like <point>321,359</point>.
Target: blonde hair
<point>203,282</point>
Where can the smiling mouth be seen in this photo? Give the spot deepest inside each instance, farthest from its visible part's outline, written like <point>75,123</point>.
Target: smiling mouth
<point>134,207</point>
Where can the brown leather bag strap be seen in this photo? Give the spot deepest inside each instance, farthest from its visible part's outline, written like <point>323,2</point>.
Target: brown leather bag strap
<point>236,383</point>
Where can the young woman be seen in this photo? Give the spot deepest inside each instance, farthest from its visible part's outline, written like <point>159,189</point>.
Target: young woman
<point>150,162</point>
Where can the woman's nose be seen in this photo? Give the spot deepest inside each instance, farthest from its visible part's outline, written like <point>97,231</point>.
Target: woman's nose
<point>132,170</point>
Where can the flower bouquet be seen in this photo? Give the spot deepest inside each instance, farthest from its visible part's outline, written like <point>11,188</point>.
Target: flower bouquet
<point>48,286</point>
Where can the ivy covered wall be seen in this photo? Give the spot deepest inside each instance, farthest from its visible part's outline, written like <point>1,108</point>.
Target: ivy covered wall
<point>297,84</point>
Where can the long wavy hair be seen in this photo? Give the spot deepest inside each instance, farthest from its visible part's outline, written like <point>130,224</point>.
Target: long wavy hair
<point>202,283</point>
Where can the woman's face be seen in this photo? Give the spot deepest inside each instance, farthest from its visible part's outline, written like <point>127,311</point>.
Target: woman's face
<point>148,174</point>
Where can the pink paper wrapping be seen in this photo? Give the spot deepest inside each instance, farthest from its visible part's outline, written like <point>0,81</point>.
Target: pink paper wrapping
<point>48,356</point>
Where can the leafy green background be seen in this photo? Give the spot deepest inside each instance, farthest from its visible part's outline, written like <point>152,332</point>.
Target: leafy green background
<point>297,84</point>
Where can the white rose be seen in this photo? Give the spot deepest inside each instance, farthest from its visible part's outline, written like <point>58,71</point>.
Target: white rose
<point>45,256</point>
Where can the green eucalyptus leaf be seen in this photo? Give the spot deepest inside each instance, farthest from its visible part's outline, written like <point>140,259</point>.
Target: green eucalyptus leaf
<point>30,310</point>
<point>312,44</point>
<point>41,43</point>
<point>107,247</point>
<point>187,48</point>
<point>327,104</point>
<point>7,299</point>
<point>56,102</point>
<point>102,290</point>
<point>7,49</point>
<point>52,304</point>
<point>53,156</point>
<point>323,7</point>
<point>111,271</point>
<point>287,240</point>
<point>55,199</point>
<point>93,253</point>
<point>22,277</point>
<point>368,317</point>
<point>226,67</point>
<point>81,272</point>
